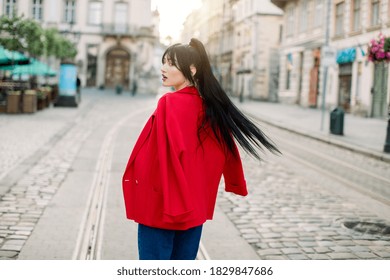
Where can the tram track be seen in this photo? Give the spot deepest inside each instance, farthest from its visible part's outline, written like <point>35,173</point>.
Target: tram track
<point>312,154</point>
<point>91,234</point>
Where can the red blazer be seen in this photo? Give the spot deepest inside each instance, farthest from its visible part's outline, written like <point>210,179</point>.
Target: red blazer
<point>171,181</point>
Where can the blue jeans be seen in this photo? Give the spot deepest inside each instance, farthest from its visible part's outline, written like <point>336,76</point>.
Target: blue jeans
<point>164,244</point>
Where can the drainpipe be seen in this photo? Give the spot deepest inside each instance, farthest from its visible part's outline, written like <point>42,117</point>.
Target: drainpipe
<point>328,2</point>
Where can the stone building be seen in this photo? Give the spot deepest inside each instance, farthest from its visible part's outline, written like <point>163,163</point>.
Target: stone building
<point>115,39</point>
<point>256,44</point>
<point>242,37</point>
<point>353,83</point>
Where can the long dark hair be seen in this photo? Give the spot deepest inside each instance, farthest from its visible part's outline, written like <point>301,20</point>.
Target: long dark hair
<point>221,114</point>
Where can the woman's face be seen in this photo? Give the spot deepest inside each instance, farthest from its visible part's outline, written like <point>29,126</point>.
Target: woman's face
<point>171,76</point>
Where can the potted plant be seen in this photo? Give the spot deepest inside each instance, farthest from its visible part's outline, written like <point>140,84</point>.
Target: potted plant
<point>13,101</point>
<point>379,49</point>
<point>41,99</point>
<point>29,101</point>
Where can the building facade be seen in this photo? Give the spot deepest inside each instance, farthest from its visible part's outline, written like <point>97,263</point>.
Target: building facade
<point>353,83</point>
<point>242,37</point>
<point>115,39</point>
<point>255,56</point>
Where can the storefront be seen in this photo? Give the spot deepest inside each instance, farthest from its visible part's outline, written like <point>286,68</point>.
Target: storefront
<point>345,59</point>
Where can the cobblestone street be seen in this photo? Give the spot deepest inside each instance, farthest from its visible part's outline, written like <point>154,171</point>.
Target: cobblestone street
<point>52,138</point>
<point>49,162</point>
<point>286,216</point>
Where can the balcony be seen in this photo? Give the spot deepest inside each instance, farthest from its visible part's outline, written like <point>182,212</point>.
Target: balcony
<point>116,29</point>
<point>280,3</point>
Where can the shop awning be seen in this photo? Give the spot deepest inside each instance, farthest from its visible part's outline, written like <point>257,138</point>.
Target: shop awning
<point>35,68</point>
<point>12,58</point>
<point>346,56</point>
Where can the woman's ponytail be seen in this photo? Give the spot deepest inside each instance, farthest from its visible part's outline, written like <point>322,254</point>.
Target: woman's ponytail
<point>224,118</point>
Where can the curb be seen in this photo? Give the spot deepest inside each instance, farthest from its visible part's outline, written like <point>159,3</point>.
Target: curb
<point>367,152</point>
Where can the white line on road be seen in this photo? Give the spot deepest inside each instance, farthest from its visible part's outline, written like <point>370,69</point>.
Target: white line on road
<point>90,237</point>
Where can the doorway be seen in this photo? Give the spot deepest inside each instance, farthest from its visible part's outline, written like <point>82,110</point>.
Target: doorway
<point>117,69</point>
<point>92,53</point>
<point>314,79</point>
<point>345,85</point>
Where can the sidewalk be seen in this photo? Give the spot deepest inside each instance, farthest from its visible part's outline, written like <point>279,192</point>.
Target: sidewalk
<point>363,135</point>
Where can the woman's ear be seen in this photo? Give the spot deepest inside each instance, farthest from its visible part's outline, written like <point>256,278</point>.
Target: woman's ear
<point>193,70</point>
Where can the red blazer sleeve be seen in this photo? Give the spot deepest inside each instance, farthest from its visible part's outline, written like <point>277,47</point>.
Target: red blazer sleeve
<point>233,174</point>
<point>177,202</point>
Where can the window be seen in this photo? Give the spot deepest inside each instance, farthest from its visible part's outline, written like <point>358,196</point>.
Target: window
<point>10,8</point>
<point>37,9</point>
<point>95,13</point>
<point>70,11</point>
<point>120,17</point>
<point>375,16</point>
<point>318,13</point>
<point>356,15</point>
<point>339,19</point>
<point>290,21</point>
<point>304,16</point>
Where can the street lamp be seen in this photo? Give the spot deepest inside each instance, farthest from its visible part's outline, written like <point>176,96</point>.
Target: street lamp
<point>74,35</point>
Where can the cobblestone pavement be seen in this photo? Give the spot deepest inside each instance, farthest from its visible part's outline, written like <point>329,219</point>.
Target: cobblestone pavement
<point>287,216</point>
<point>22,206</point>
<point>22,135</point>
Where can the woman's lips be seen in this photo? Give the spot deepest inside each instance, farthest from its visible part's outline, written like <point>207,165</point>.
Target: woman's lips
<point>164,78</point>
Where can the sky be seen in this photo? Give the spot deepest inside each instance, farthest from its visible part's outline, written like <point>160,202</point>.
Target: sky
<point>172,15</point>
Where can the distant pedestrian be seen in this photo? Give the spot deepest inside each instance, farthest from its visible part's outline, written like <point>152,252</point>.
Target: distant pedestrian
<point>171,180</point>
<point>78,84</point>
<point>78,89</point>
<point>134,89</point>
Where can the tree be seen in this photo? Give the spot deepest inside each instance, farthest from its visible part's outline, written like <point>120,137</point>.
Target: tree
<point>32,36</point>
<point>51,42</point>
<point>65,49</point>
<point>10,28</point>
<point>27,36</point>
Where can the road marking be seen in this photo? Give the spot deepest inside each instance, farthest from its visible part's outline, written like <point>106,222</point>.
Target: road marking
<point>90,238</point>
<point>202,253</point>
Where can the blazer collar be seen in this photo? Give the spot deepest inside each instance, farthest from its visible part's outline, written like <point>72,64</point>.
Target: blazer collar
<point>188,90</point>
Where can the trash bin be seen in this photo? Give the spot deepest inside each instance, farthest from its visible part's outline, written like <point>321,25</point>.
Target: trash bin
<point>337,121</point>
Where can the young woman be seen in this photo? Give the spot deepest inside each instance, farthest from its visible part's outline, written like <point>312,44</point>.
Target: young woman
<point>171,180</point>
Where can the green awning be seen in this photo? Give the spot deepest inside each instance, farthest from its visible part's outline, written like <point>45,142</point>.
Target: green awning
<point>346,56</point>
<point>35,68</point>
<point>12,58</point>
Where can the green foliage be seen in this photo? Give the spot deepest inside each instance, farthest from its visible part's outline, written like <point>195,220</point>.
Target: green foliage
<point>51,41</point>
<point>65,49</point>
<point>387,45</point>
<point>27,36</point>
<point>32,37</point>
<point>58,46</point>
<point>10,30</point>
